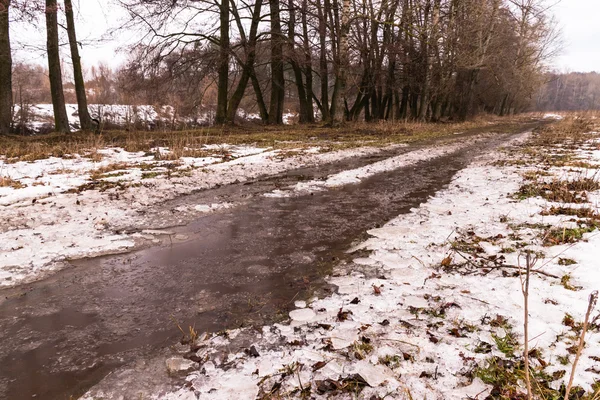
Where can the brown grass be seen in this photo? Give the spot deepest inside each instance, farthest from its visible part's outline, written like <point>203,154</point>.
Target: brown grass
<point>569,132</point>
<point>584,212</point>
<point>6,181</point>
<point>99,172</point>
<point>563,191</point>
<point>189,143</point>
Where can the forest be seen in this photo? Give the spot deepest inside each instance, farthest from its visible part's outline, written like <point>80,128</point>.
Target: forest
<point>573,91</point>
<point>329,60</point>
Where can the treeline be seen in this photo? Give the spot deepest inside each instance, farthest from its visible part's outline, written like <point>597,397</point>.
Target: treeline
<point>573,91</point>
<point>348,60</point>
<point>30,85</point>
<point>329,60</point>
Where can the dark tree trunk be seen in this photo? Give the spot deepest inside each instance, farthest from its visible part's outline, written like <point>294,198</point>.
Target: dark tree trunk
<point>323,70</point>
<point>248,65</point>
<point>293,58</point>
<point>403,111</point>
<point>223,81</point>
<point>6,102</point>
<point>61,120</point>
<point>362,98</point>
<point>397,104</point>
<point>465,82</point>
<point>436,110</point>
<point>307,63</point>
<point>414,105</point>
<point>338,100</point>
<point>277,76</point>
<point>375,105</point>
<point>262,105</point>
<point>82,106</point>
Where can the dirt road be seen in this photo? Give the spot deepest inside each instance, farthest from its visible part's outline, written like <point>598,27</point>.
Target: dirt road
<point>238,266</point>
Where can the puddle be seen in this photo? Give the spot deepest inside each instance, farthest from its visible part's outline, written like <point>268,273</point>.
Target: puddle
<point>241,266</point>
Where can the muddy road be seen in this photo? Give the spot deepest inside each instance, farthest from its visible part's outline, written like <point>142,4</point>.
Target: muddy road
<point>240,266</point>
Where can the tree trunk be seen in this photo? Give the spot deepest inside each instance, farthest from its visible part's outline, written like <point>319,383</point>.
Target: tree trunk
<point>403,110</point>
<point>424,92</point>
<point>465,87</point>
<point>338,100</point>
<point>307,63</point>
<point>277,76</point>
<point>248,65</point>
<point>262,105</point>
<point>323,70</point>
<point>61,120</point>
<point>5,70</point>
<point>293,58</point>
<point>238,94</point>
<point>82,106</point>
<point>223,81</point>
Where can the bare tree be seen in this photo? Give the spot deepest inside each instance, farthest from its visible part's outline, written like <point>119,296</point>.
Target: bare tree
<point>5,69</point>
<point>61,120</point>
<point>223,80</point>
<point>339,92</point>
<point>82,105</point>
<point>373,60</point>
<point>249,43</point>
<point>277,75</point>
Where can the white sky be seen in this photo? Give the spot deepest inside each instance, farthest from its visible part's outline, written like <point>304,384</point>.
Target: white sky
<point>579,21</point>
<point>96,22</point>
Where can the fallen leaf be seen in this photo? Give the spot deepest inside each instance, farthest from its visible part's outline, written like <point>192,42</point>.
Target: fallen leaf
<point>317,366</point>
<point>446,262</point>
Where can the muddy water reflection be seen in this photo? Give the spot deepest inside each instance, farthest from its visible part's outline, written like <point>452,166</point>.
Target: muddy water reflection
<point>241,266</point>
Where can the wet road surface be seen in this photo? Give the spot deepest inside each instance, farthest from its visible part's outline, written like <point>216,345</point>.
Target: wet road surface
<point>240,266</point>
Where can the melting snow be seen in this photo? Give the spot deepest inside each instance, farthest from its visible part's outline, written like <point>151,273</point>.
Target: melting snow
<point>48,219</point>
<point>409,329</point>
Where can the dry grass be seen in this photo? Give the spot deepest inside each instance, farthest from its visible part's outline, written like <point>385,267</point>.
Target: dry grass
<point>101,172</point>
<point>6,181</point>
<point>584,212</point>
<point>570,132</point>
<point>189,143</point>
<point>563,191</point>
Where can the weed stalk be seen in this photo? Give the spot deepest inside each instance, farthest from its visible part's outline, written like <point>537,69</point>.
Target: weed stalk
<point>591,305</point>
<point>525,289</point>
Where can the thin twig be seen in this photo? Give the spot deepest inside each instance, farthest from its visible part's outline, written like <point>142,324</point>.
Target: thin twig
<point>591,304</point>
<point>498,266</point>
<point>525,290</point>
<point>402,341</point>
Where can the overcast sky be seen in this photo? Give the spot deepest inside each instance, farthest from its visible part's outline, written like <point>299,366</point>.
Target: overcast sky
<point>579,21</point>
<point>97,22</point>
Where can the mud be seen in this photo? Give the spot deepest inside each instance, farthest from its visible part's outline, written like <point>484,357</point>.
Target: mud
<point>239,267</point>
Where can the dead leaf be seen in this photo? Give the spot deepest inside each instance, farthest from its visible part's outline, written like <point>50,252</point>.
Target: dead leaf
<point>343,315</point>
<point>446,262</point>
<point>317,366</point>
